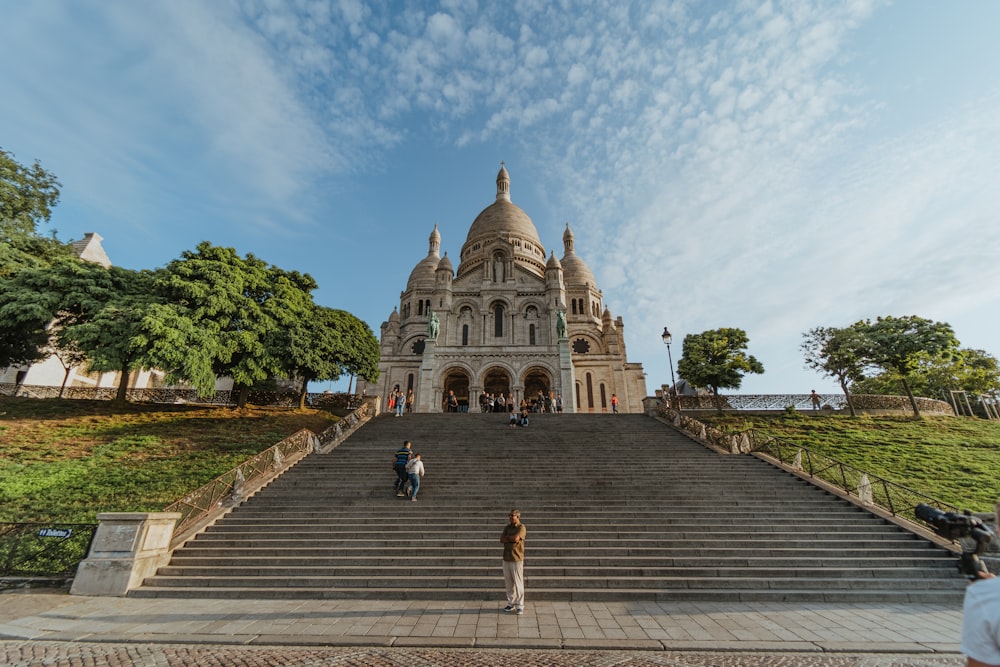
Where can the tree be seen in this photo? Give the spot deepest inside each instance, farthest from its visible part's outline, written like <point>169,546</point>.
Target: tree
<point>27,197</point>
<point>74,309</point>
<point>717,359</point>
<point>108,335</point>
<point>969,370</point>
<point>898,344</point>
<point>224,316</point>
<point>836,353</point>
<point>328,344</point>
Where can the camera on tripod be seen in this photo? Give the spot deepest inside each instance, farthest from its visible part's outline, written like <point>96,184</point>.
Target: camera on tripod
<point>953,526</point>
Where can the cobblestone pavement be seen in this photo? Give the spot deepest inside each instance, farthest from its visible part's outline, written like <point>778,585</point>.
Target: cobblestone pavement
<point>46,628</point>
<point>29,654</point>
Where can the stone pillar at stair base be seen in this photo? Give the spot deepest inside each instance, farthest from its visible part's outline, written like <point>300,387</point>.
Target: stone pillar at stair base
<point>128,547</point>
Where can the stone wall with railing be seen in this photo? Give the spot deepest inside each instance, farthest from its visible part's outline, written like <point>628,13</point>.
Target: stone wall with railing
<point>228,490</point>
<point>322,400</point>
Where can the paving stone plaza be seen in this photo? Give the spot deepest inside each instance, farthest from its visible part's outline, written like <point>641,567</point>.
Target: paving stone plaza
<point>38,628</point>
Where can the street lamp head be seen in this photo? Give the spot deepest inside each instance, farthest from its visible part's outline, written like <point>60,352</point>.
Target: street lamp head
<point>667,338</point>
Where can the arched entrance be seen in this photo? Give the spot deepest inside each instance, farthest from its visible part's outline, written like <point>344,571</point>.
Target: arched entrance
<point>496,382</point>
<point>456,381</point>
<point>536,380</point>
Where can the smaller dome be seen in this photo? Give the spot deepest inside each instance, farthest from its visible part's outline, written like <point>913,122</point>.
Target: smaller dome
<point>575,270</point>
<point>445,264</point>
<point>394,316</point>
<point>553,263</point>
<point>423,272</point>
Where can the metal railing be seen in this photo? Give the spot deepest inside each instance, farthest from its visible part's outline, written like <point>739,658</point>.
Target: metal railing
<point>896,499</point>
<point>43,549</point>
<point>229,489</point>
<point>803,402</point>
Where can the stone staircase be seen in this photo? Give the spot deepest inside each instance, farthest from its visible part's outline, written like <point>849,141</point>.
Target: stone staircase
<point>617,508</point>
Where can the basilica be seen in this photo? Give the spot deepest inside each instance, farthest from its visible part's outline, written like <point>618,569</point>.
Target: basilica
<point>509,321</point>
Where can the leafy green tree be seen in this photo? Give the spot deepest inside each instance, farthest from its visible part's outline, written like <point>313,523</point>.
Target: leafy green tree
<point>328,344</point>
<point>898,344</point>
<point>224,316</point>
<point>717,359</point>
<point>837,353</point>
<point>74,309</point>
<point>108,335</point>
<point>27,197</point>
<point>969,370</point>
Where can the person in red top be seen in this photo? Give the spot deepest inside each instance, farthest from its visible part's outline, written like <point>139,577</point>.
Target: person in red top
<point>614,403</point>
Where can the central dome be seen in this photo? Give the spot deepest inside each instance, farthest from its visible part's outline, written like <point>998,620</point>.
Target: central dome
<point>503,218</point>
<point>502,232</point>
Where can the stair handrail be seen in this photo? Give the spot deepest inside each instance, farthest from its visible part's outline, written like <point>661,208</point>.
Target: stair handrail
<point>234,486</point>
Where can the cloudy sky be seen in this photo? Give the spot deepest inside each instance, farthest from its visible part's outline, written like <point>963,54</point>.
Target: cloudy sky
<point>772,166</point>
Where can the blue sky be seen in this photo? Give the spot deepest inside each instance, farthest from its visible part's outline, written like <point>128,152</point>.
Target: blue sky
<point>773,166</point>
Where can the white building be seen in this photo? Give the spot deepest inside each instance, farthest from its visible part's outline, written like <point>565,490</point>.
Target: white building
<point>509,321</point>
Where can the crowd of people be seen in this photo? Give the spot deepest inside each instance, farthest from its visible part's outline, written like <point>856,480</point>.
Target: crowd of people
<point>542,402</point>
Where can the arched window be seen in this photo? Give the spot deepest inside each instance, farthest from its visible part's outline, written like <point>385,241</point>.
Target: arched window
<point>531,334</point>
<point>590,391</point>
<point>465,334</point>
<point>604,398</point>
<point>574,306</point>
<point>427,307</point>
<point>498,321</point>
<point>420,307</point>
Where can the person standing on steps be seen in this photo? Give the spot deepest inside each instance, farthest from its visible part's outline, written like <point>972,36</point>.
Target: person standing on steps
<point>415,469</point>
<point>814,399</point>
<point>614,403</point>
<point>512,539</point>
<point>399,461</point>
<point>400,402</point>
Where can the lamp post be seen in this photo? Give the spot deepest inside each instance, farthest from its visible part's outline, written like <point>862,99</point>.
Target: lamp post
<point>667,340</point>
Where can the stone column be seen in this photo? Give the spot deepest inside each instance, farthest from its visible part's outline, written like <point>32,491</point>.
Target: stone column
<point>429,396</point>
<point>566,376</point>
<point>128,547</point>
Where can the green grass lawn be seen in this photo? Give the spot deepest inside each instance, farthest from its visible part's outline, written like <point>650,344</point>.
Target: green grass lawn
<point>67,460</point>
<point>954,459</point>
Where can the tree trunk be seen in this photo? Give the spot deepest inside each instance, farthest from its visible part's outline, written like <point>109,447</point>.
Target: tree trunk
<point>847,395</point>
<point>302,396</point>
<point>62,387</point>
<point>718,399</point>
<point>242,395</point>
<point>913,401</point>
<point>122,387</point>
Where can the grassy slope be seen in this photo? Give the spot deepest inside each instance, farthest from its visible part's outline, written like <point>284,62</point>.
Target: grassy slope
<point>956,460</point>
<point>68,460</point>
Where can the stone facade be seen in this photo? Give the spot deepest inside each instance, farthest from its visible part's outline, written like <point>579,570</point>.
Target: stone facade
<point>507,321</point>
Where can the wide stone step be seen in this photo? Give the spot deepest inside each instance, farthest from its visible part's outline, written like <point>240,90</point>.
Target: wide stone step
<point>900,567</point>
<point>538,572</point>
<point>818,594</point>
<point>488,581</point>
